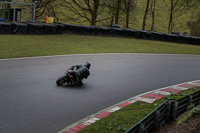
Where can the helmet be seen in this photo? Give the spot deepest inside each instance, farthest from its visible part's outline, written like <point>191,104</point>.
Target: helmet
<point>87,65</point>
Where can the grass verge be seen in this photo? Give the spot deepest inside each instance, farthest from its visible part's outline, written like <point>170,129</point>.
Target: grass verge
<point>125,118</point>
<point>13,46</point>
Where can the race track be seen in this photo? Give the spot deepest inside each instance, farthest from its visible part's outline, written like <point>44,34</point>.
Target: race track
<point>30,101</point>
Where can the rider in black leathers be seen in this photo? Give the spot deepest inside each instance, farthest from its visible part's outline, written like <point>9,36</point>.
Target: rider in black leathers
<point>81,71</point>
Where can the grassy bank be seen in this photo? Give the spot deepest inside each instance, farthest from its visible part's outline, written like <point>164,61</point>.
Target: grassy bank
<point>12,46</point>
<point>125,118</point>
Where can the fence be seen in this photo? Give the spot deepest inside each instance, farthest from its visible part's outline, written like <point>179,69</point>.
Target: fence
<point>13,10</point>
<point>43,28</point>
<point>167,111</point>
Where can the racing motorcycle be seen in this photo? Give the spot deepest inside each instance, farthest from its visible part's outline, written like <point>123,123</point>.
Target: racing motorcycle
<point>70,78</point>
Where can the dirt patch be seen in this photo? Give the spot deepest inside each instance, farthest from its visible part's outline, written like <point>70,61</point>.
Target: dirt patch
<point>192,125</point>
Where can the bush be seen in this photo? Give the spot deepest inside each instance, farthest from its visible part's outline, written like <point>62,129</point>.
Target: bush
<point>195,111</point>
<point>190,107</point>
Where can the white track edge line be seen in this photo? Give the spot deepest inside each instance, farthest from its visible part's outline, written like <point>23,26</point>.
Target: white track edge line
<point>115,105</point>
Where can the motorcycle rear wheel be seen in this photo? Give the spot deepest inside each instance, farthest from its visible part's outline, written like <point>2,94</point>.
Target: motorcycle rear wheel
<point>61,80</point>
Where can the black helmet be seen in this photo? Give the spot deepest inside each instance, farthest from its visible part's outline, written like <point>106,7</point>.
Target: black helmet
<point>87,65</point>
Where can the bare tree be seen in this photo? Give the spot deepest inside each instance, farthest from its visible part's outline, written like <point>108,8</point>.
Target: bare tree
<point>153,9</point>
<point>87,10</point>
<point>150,9</point>
<point>46,7</point>
<point>194,26</point>
<point>129,5</point>
<point>178,8</point>
<point>111,7</point>
<point>114,7</point>
<point>145,15</point>
<point>118,8</point>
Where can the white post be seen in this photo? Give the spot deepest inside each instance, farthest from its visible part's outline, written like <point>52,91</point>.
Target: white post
<point>14,10</point>
<point>34,10</point>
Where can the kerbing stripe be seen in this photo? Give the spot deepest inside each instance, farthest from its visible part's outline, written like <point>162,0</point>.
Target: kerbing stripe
<point>148,97</point>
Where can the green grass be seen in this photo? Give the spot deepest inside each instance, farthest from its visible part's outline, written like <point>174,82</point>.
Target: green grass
<point>125,118</point>
<point>121,120</point>
<point>12,46</point>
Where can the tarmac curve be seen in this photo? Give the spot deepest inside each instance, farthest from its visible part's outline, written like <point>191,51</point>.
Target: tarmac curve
<point>30,101</point>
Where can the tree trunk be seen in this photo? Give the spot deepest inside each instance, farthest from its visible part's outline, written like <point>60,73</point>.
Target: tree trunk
<point>127,20</point>
<point>112,19</point>
<point>145,15</point>
<point>117,11</point>
<point>128,13</point>
<point>171,17</point>
<point>153,15</point>
<point>94,12</point>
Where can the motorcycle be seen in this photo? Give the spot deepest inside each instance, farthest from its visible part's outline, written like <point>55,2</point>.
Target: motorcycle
<point>70,78</point>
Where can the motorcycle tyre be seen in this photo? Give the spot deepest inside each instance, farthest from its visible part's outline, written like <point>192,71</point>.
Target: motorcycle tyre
<point>61,80</point>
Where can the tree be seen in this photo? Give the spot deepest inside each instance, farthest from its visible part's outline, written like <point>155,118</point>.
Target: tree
<point>153,9</point>
<point>194,27</point>
<point>87,10</point>
<point>114,7</point>
<point>145,15</point>
<point>178,8</point>
<point>129,5</point>
<point>150,7</point>
<point>110,4</point>
<point>118,8</point>
<point>46,7</point>
<point>194,23</point>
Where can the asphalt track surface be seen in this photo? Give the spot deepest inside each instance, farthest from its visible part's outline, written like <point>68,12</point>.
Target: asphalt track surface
<point>30,101</point>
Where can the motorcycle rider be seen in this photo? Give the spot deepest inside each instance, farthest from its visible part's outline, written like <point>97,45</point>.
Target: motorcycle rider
<point>81,71</point>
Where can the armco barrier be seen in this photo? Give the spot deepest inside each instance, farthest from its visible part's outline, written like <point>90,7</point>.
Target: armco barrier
<point>5,28</point>
<point>47,29</point>
<point>195,40</point>
<point>38,29</point>
<point>167,111</point>
<point>19,28</point>
<point>102,31</point>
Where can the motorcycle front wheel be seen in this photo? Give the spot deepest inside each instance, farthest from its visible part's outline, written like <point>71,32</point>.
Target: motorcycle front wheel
<point>61,80</point>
